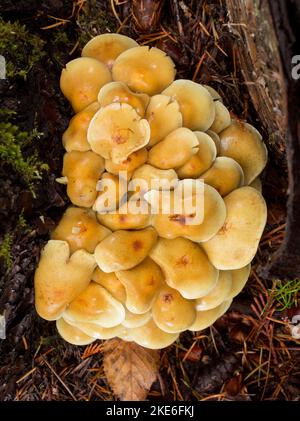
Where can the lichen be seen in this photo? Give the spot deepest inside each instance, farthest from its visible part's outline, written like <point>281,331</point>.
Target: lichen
<point>5,250</point>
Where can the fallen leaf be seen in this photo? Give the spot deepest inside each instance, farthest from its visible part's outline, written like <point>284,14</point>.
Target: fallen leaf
<point>130,369</point>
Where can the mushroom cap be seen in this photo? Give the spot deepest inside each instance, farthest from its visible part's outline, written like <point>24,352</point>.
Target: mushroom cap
<point>195,102</point>
<point>244,144</point>
<point>154,178</point>
<point>239,279</point>
<point>96,305</point>
<point>72,334</point>
<point>185,266</point>
<point>144,69</point>
<point>222,118</point>
<point>171,312</point>
<point>96,331</point>
<point>111,283</point>
<point>112,191</point>
<point>200,161</point>
<point>256,184</point>
<point>75,137</point>
<point>207,318</point>
<point>174,150</point>
<point>82,170</point>
<point>236,243</point>
<point>216,138</point>
<point>163,116</point>
<point>150,336</point>
<point>119,92</point>
<point>80,228</point>
<point>123,249</point>
<point>116,131</point>
<point>207,206</point>
<point>81,81</point>
<point>142,284</point>
<point>107,47</point>
<point>128,165</point>
<point>214,94</point>
<point>133,320</point>
<point>60,278</point>
<point>220,293</point>
<point>127,216</point>
<point>224,175</point>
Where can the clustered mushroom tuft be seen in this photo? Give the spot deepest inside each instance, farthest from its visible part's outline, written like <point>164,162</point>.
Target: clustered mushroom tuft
<point>120,263</point>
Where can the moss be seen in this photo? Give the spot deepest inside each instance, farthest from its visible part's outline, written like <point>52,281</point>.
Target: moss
<point>12,143</point>
<point>5,250</point>
<point>20,48</point>
<point>286,294</point>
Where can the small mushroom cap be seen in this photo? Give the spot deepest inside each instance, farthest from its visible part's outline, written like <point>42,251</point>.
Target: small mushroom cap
<point>185,266</point>
<point>216,138</point>
<point>202,160</point>
<point>75,137</point>
<point>207,318</point>
<point>128,165</point>
<point>154,178</point>
<point>133,320</point>
<point>235,245</point>
<point>171,312</point>
<point>112,191</point>
<point>119,92</point>
<point>96,305</point>
<point>60,278</point>
<point>142,284</point>
<point>107,47</point>
<point>195,102</point>
<point>80,228</point>
<point>150,336</point>
<point>111,283</point>
<point>215,94</point>
<point>174,150</point>
<point>224,175</point>
<point>244,144</point>
<point>116,131</point>
<point>222,118</point>
<point>144,69</point>
<point>209,210</point>
<point>123,249</point>
<point>164,117</point>
<point>127,216</point>
<point>82,170</point>
<point>95,331</point>
<point>81,81</point>
<point>256,184</point>
<point>220,293</point>
<point>72,334</point>
<point>239,279</point>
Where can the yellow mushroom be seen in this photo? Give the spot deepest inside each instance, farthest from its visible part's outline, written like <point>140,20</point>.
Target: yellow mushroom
<point>214,94</point>
<point>216,138</point>
<point>239,279</point>
<point>200,161</point>
<point>133,320</point>
<point>80,228</point>
<point>107,47</point>
<point>144,69</point>
<point>81,81</point>
<point>244,144</point>
<point>164,117</point>
<point>222,118</point>
<point>96,331</point>
<point>59,278</point>
<point>129,164</point>
<point>75,137</point>
<point>72,334</point>
<point>171,312</point>
<point>185,266</point>
<point>116,131</point>
<point>174,150</point>
<point>111,283</point>
<point>195,102</point>
<point>82,171</point>
<point>123,249</point>
<point>119,92</point>
<point>220,293</point>
<point>235,245</point>
<point>207,318</point>
<point>112,191</point>
<point>142,284</point>
<point>150,336</point>
<point>224,175</point>
<point>147,177</point>
<point>256,184</point>
<point>95,305</point>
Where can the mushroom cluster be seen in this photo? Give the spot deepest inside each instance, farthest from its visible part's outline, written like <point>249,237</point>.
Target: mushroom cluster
<point>119,264</point>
